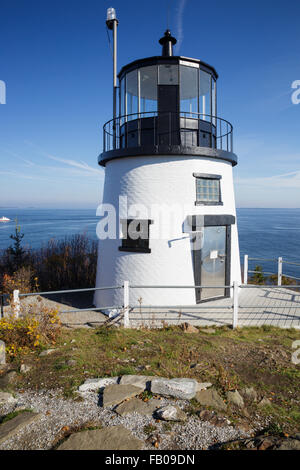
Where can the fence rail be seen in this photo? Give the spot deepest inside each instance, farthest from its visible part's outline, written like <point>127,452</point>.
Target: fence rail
<point>234,306</point>
<point>280,261</point>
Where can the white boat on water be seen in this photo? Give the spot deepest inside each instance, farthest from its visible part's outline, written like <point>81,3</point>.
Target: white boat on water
<point>4,219</point>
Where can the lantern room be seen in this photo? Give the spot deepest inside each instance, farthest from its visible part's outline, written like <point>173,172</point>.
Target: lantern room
<point>165,102</point>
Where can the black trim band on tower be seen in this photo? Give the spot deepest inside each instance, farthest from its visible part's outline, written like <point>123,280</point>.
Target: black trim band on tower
<point>220,219</point>
<point>174,150</point>
<point>214,220</point>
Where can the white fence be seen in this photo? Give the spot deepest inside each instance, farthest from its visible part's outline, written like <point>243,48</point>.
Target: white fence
<point>279,261</point>
<point>248,305</point>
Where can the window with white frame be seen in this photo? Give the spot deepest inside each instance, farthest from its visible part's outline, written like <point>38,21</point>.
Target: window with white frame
<point>208,189</point>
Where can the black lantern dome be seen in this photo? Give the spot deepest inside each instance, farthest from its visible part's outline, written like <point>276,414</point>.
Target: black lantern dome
<point>167,106</point>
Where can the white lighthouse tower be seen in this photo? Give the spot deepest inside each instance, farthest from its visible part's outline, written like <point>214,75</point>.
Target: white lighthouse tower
<point>168,162</point>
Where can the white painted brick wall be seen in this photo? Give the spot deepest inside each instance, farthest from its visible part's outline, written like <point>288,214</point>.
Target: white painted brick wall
<point>160,180</point>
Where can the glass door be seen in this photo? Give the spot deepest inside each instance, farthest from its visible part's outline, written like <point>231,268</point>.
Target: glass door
<point>213,259</point>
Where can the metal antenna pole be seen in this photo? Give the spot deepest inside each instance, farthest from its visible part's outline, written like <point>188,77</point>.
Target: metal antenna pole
<point>115,80</point>
<point>112,23</point>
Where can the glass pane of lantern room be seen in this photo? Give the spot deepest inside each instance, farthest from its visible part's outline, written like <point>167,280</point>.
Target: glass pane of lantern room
<point>214,100</point>
<point>205,95</point>
<point>148,87</point>
<point>188,90</point>
<point>122,100</point>
<point>168,74</point>
<point>132,107</point>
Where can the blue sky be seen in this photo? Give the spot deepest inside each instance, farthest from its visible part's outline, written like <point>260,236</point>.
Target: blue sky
<point>57,67</point>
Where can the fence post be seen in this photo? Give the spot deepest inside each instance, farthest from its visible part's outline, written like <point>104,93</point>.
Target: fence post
<point>246,269</point>
<point>235,304</point>
<point>279,271</point>
<point>2,304</point>
<point>16,303</point>
<point>126,304</point>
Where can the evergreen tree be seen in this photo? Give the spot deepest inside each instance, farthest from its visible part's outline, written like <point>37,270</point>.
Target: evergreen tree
<point>16,251</point>
<point>258,276</point>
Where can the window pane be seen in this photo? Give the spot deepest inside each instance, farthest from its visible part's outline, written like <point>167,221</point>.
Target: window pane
<point>135,235</point>
<point>122,99</point>
<point>132,93</point>
<point>208,190</point>
<point>168,74</point>
<point>148,86</point>
<point>188,89</point>
<point>205,94</point>
<point>214,100</point>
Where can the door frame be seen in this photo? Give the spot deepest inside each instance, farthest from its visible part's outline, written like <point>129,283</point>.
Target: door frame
<point>214,221</point>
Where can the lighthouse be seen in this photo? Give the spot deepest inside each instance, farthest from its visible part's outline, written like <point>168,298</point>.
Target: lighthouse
<point>168,160</point>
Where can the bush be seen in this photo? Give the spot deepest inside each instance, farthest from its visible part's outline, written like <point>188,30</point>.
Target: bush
<point>285,280</point>
<point>64,264</point>
<point>22,280</point>
<point>30,331</point>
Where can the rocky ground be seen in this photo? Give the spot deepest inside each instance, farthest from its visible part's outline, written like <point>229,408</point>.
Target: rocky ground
<point>128,413</point>
<point>230,390</point>
<point>59,417</point>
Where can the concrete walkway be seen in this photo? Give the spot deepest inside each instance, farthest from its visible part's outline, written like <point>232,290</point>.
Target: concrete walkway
<point>69,319</point>
<point>257,306</point>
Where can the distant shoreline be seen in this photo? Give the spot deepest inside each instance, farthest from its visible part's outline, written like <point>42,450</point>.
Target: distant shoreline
<point>94,208</point>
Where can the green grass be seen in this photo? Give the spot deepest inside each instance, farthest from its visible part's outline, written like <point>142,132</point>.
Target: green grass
<point>229,359</point>
<point>12,415</point>
<point>149,429</point>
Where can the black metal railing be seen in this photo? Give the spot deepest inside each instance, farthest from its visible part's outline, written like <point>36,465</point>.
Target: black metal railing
<point>155,128</point>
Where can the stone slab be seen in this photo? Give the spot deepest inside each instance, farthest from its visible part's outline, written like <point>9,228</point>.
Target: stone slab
<point>14,425</point>
<point>136,405</point>
<point>142,381</point>
<point>92,385</point>
<point>234,398</point>
<point>250,393</point>
<point>8,379</point>
<point>6,398</point>
<point>171,413</point>
<point>115,394</point>
<point>210,398</point>
<point>111,438</point>
<point>178,388</point>
<point>202,386</point>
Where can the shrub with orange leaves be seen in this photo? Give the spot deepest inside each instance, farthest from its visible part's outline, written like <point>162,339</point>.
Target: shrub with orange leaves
<point>22,280</point>
<point>30,330</point>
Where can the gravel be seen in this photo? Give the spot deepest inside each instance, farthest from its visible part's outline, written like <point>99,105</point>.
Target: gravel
<point>57,413</point>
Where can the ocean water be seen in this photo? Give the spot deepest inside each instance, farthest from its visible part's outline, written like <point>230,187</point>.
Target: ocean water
<point>263,233</point>
<point>270,233</point>
<point>40,225</point>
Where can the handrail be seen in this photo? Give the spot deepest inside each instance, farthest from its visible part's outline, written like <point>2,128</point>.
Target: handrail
<point>113,138</point>
<point>123,309</point>
<point>279,261</point>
